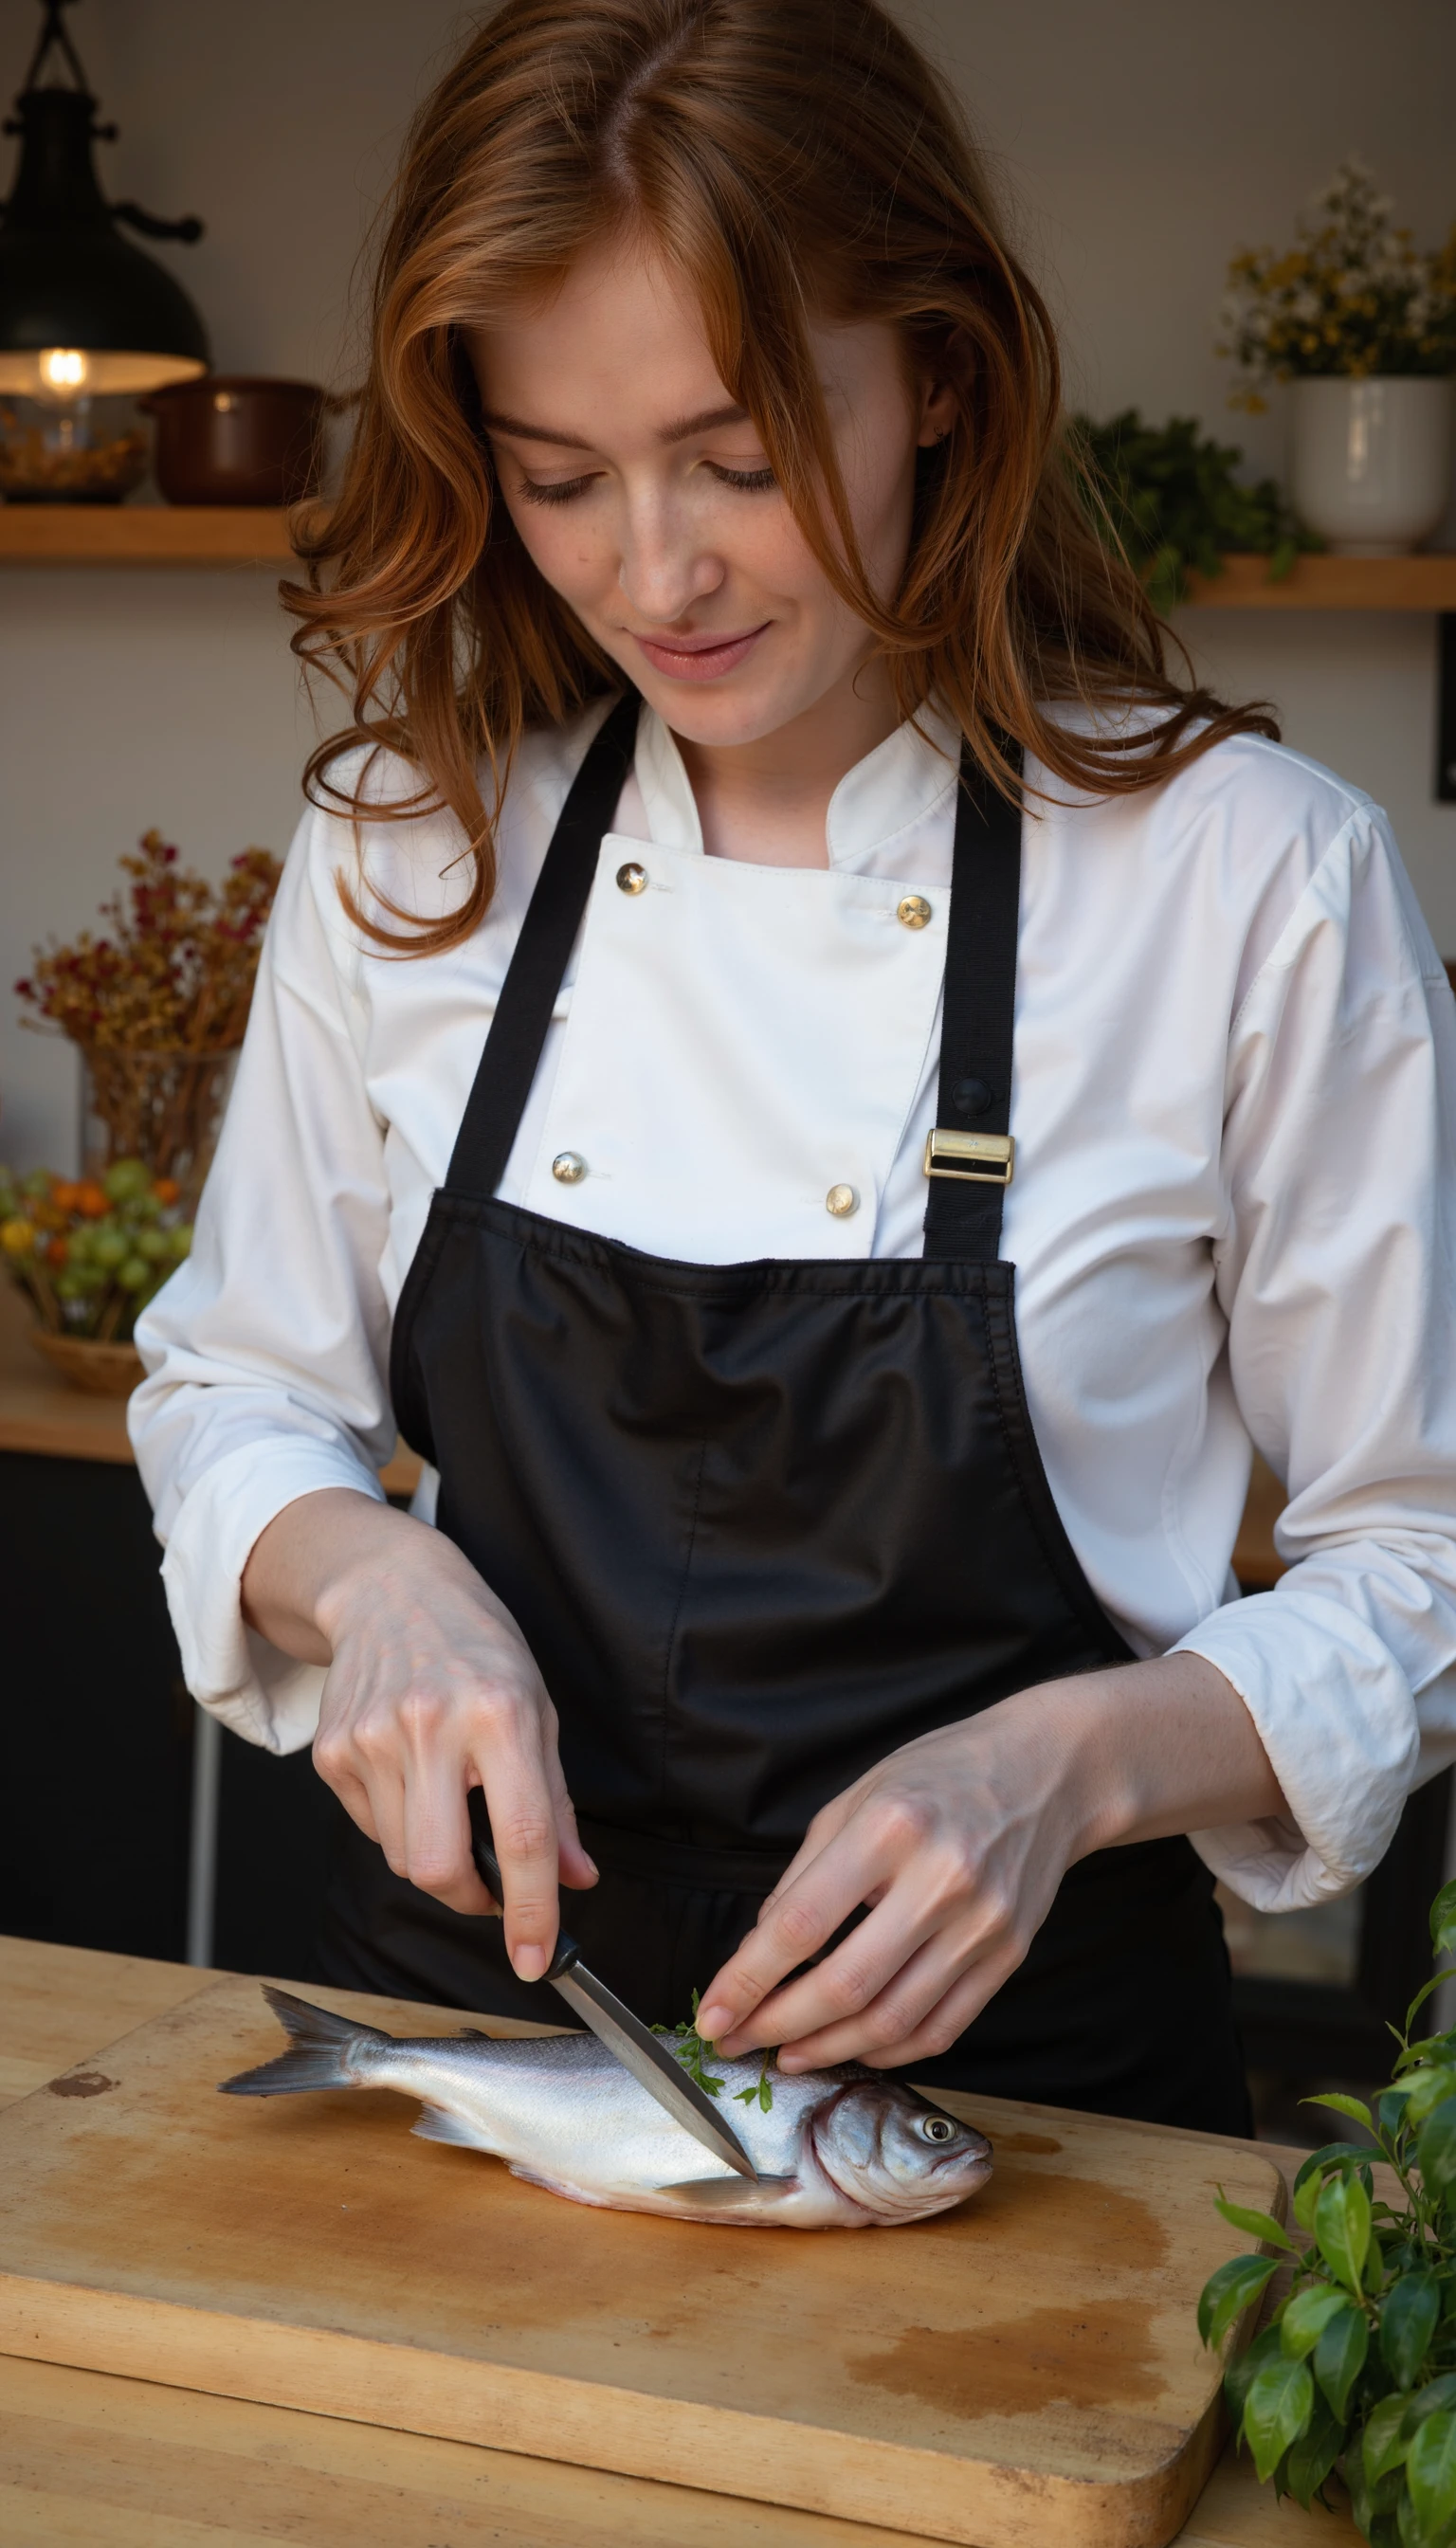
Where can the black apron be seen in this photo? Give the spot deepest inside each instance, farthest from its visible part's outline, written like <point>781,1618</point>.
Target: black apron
<point>761,1524</point>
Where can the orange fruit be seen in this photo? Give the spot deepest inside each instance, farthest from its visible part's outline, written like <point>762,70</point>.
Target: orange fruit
<point>165,1189</point>
<point>90,1201</point>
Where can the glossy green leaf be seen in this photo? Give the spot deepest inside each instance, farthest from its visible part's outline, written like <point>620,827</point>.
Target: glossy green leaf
<point>1426,2089</point>
<point>1275,2411</point>
<point>1307,2315</point>
<point>1342,2228</point>
<point>1430,2473</point>
<point>1383,2444</point>
<point>1423,1994</point>
<point>1307,2193</point>
<point>1432,2399</point>
<point>1227,2293</point>
<point>1408,2322</point>
<point>1314,2455</point>
<point>1340,2154</point>
<point>1342,2105</point>
<point>1443,1920</point>
<point>1241,2371</point>
<point>1340,2358</point>
<point>1435,2148</point>
<point>1254,2225</point>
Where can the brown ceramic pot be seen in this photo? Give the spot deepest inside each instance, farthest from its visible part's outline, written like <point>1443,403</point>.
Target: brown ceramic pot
<point>228,440</point>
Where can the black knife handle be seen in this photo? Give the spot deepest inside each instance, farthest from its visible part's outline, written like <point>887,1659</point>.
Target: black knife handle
<point>568,1953</point>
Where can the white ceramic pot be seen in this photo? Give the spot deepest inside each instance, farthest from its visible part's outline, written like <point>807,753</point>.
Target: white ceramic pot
<point>1371,461</point>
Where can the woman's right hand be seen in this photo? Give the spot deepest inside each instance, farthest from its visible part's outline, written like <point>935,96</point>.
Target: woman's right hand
<point>431,1690</point>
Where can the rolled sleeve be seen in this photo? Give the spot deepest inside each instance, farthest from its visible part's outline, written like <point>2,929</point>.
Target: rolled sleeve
<point>267,1352</point>
<point>1336,1275</point>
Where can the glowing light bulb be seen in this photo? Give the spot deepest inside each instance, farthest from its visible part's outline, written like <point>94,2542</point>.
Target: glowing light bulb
<point>63,369</point>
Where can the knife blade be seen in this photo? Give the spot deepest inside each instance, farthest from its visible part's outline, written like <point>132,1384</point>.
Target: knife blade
<point>626,2038</point>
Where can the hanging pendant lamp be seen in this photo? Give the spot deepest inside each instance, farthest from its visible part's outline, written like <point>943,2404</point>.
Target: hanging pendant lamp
<point>82,312</point>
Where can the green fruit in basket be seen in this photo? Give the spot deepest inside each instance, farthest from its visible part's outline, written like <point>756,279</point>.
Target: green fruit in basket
<point>127,1180</point>
<point>36,1185</point>
<point>180,1240</point>
<point>110,1247</point>
<point>133,1274</point>
<point>153,1245</point>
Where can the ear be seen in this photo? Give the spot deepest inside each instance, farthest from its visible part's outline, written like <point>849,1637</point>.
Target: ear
<point>937,413</point>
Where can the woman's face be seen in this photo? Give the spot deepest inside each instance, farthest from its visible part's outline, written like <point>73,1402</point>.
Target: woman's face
<point>643,495</point>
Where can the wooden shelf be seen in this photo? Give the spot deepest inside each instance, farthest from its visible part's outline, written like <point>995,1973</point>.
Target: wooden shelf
<point>1330,584</point>
<point>212,535</point>
<point>197,535</point>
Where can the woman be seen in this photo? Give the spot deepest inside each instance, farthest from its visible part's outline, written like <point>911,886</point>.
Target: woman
<point>733,674</point>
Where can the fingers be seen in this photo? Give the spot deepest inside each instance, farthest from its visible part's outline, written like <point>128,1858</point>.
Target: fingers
<point>794,1924</point>
<point>924,2005</point>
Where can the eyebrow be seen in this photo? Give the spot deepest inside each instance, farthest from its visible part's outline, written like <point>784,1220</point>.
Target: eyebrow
<point>681,431</point>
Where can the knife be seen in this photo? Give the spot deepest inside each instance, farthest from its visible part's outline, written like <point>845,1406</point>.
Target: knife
<point>634,2044</point>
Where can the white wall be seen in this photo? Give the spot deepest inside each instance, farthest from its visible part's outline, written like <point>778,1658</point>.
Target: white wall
<point>1143,138</point>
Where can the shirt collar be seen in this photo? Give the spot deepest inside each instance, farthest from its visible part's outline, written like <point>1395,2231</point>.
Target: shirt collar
<point>878,807</point>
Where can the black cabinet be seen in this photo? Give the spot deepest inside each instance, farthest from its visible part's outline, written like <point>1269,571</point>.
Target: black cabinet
<point>96,1791</point>
<point>95,1796</point>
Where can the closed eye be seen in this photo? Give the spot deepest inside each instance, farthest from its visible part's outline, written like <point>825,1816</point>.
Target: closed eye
<point>750,481</point>
<point>559,491</point>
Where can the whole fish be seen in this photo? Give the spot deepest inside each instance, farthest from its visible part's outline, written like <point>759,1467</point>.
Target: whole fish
<point>835,2149</point>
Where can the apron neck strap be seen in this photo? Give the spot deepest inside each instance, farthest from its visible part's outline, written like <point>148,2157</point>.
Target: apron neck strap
<point>518,1030</point>
<point>969,1158</point>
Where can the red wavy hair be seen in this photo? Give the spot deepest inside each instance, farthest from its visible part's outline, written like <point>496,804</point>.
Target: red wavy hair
<point>791,156</point>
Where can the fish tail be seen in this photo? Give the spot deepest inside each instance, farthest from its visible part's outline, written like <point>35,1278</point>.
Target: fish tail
<point>324,2053</point>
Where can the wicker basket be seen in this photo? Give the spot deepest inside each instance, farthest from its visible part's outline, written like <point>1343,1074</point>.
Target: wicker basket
<point>107,1371</point>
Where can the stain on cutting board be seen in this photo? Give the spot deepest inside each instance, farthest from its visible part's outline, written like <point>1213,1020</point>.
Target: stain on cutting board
<point>1016,2366</point>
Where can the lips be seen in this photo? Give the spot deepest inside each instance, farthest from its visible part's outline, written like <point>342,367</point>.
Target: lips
<point>699,658</point>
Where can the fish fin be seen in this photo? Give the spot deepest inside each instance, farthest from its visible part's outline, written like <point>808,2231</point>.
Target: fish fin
<point>436,2125</point>
<point>321,2054</point>
<point>705,2193</point>
<point>476,2033</point>
<point>573,2193</point>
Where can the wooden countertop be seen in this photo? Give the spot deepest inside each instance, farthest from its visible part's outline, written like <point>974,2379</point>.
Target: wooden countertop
<point>40,1411</point>
<point>88,2460</point>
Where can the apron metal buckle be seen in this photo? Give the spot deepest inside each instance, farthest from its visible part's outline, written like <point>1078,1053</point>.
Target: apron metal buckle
<point>979,1158</point>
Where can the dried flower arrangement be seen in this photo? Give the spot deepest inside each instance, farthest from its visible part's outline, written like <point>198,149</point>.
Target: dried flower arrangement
<point>1352,299</point>
<point>158,1001</point>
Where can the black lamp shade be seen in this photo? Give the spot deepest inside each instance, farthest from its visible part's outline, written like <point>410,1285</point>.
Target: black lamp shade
<point>81,310</point>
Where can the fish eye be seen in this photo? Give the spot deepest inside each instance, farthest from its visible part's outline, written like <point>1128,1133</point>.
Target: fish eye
<point>938,2128</point>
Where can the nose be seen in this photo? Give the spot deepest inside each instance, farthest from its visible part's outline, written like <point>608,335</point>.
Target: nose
<point>665,567</point>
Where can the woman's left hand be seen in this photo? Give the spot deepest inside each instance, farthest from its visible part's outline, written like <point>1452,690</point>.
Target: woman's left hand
<point>958,1845</point>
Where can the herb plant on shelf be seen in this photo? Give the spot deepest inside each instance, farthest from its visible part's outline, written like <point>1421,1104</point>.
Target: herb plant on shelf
<point>1169,496</point>
<point>1355,2373</point>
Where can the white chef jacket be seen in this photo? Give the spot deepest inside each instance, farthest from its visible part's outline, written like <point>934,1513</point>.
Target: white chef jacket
<point>1233,1215</point>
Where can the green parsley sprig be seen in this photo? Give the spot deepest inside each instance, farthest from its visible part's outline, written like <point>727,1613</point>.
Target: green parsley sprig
<point>695,2050</point>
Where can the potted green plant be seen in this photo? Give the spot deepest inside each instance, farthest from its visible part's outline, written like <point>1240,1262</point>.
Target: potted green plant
<point>1354,2375</point>
<point>1170,499</point>
<point>1362,326</point>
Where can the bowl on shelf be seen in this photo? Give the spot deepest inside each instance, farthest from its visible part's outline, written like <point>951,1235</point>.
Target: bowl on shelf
<point>104,1370</point>
<point>226,439</point>
<point>54,454</point>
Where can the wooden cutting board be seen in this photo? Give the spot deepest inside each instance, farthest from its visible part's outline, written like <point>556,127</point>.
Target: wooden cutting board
<point>1022,2372</point>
